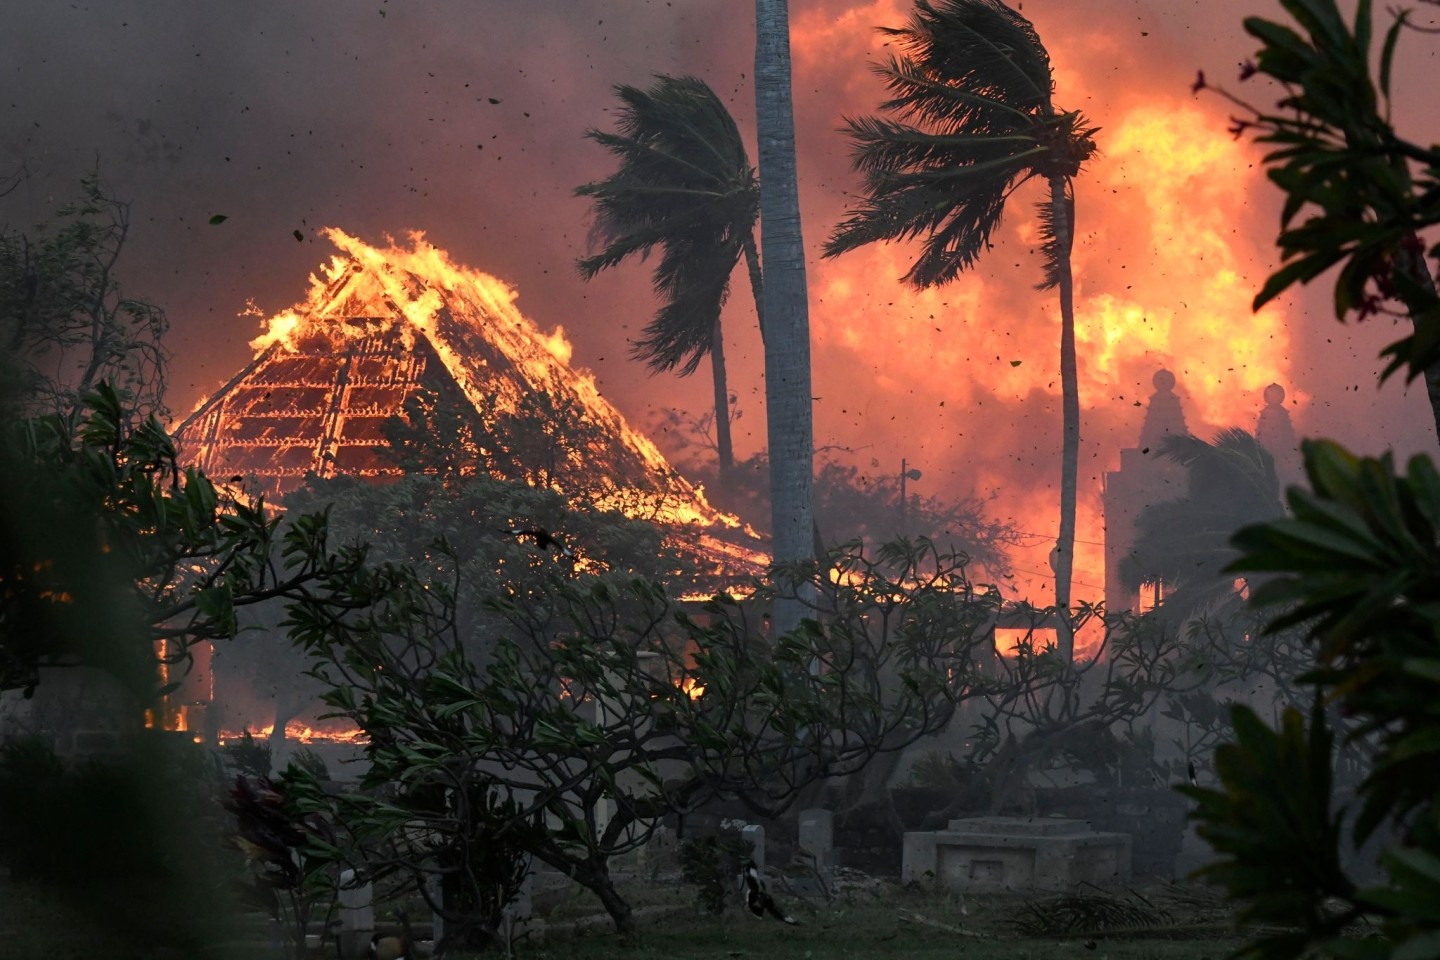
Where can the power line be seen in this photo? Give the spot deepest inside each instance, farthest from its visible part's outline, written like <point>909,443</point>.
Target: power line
<point>1048,536</point>
<point>1041,573</point>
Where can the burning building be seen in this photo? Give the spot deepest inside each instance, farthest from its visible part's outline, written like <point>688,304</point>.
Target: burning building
<point>1145,477</point>
<point>379,327</point>
<point>383,328</point>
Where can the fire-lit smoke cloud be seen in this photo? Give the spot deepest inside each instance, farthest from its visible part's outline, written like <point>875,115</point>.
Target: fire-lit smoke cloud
<point>1170,249</point>
<point>466,121</point>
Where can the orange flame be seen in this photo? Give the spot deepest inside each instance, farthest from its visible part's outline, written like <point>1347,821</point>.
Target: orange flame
<point>420,282</point>
<point>1164,276</point>
<point>1010,641</point>
<point>1190,310</point>
<point>299,732</point>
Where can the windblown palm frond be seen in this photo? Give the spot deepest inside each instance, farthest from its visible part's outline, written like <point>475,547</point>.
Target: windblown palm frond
<point>693,280</point>
<point>977,48</point>
<point>971,91</point>
<point>971,120</point>
<point>1054,249</point>
<point>685,185</point>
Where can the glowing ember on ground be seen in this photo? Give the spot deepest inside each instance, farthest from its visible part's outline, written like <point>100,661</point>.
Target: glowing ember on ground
<point>298,732</point>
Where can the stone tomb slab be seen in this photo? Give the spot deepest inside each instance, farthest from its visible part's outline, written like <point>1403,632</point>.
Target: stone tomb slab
<point>1016,853</point>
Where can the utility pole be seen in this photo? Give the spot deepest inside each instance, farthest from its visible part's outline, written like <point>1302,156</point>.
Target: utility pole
<point>911,474</point>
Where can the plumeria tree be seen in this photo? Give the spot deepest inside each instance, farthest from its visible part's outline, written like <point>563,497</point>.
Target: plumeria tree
<point>605,706</point>
<point>1358,193</point>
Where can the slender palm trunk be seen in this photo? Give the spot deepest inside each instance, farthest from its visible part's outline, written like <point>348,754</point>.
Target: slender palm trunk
<point>757,289</point>
<point>723,445</point>
<point>757,281</point>
<point>1063,209</point>
<point>787,321</point>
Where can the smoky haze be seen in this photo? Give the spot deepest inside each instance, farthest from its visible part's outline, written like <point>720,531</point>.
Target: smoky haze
<point>466,120</point>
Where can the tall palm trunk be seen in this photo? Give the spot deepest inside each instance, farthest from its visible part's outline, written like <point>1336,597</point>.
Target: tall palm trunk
<point>1062,205</point>
<point>723,447</point>
<point>757,289</point>
<point>786,311</point>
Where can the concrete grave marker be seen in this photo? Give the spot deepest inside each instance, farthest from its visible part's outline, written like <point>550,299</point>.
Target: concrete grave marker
<point>817,835</point>
<point>1016,853</point>
<point>357,914</point>
<point>754,833</point>
<point>816,851</point>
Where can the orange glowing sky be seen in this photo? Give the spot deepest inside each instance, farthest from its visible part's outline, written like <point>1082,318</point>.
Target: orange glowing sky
<point>465,120</point>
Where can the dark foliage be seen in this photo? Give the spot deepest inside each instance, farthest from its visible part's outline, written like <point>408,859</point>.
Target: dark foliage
<point>686,186</point>
<point>712,863</point>
<point>65,325</point>
<point>1355,568</point>
<point>1358,194</point>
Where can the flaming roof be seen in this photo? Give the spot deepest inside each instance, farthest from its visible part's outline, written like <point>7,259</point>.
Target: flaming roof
<point>378,327</point>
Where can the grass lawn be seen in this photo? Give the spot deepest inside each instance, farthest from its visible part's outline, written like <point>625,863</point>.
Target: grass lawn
<point>882,921</point>
<point>854,931</point>
<point>34,922</point>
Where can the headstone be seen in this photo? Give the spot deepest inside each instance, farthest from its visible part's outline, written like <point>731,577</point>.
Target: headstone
<point>357,914</point>
<point>815,855</point>
<point>754,834</point>
<point>604,809</point>
<point>817,835</point>
<point>437,894</point>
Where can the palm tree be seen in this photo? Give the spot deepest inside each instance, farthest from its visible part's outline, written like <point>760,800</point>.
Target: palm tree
<point>971,88</point>
<point>789,416</point>
<point>1183,545</point>
<point>685,184</point>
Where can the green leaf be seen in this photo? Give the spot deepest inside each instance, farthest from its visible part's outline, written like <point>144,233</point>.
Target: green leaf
<point>1387,52</point>
<point>1422,863</point>
<point>1299,271</point>
<point>1426,668</point>
<point>1279,38</point>
<point>1422,946</point>
<point>217,219</point>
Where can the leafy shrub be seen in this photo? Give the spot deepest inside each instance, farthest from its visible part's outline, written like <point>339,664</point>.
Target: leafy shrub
<point>247,756</point>
<point>1355,567</point>
<point>712,863</point>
